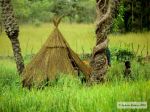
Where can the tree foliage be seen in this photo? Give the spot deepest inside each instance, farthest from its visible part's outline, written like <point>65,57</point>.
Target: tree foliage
<point>137,15</point>
<point>44,10</point>
<point>118,23</point>
<point>133,15</point>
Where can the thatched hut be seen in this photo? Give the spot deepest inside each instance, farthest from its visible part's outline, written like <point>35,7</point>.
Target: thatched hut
<point>54,57</point>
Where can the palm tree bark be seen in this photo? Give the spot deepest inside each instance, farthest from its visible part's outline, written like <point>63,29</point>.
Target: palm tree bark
<point>17,54</point>
<point>104,10</point>
<point>12,31</point>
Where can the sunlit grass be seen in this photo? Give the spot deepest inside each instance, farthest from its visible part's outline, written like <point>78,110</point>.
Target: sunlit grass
<point>32,38</point>
<point>68,94</point>
<point>125,41</point>
<point>79,36</point>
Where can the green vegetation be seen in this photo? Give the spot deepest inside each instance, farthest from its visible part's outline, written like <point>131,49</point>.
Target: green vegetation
<point>79,36</point>
<point>136,15</point>
<point>44,10</point>
<point>69,95</point>
<point>133,15</point>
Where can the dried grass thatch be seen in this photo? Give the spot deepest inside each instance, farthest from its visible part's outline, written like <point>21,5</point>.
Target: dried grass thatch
<point>54,57</point>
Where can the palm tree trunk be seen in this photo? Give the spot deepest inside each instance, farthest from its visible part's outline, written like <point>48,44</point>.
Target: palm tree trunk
<point>12,31</point>
<point>17,54</point>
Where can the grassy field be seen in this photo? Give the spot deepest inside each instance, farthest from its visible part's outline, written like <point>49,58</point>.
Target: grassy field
<point>68,94</point>
<point>79,36</point>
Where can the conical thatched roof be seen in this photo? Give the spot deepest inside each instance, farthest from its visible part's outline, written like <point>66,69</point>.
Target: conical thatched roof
<point>54,57</point>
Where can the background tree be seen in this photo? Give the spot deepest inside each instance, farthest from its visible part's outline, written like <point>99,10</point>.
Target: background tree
<point>1,29</point>
<point>118,22</point>
<point>137,15</point>
<point>12,31</point>
<point>76,10</point>
<point>133,15</point>
<point>27,11</point>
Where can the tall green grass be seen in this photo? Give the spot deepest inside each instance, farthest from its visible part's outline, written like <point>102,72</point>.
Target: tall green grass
<point>68,94</point>
<point>79,36</point>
